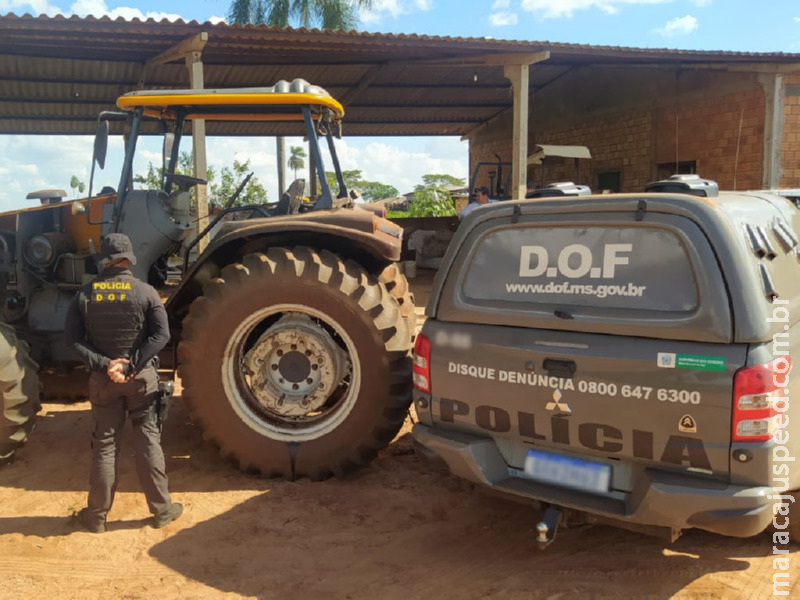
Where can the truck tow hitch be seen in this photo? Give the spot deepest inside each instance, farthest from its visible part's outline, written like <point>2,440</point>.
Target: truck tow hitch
<point>548,526</point>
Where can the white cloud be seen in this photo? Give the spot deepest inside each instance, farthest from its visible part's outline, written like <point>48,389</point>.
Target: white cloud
<point>393,9</point>
<point>217,20</point>
<point>502,19</point>
<point>550,9</point>
<point>678,26</point>
<point>35,7</point>
<point>498,4</point>
<point>403,167</point>
<point>797,19</point>
<point>82,8</point>
<point>98,8</point>
<point>30,163</point>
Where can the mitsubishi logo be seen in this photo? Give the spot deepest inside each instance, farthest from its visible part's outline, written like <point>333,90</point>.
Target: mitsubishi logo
<point>557,405</point>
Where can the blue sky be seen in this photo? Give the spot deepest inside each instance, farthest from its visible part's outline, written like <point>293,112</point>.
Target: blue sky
<point>737,25</point>
<point>746,25</point>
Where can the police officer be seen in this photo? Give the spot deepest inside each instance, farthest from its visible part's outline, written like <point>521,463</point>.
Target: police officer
<point>117,325</point>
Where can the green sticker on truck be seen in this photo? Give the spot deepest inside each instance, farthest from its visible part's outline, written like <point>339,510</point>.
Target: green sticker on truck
<point>695,362</point>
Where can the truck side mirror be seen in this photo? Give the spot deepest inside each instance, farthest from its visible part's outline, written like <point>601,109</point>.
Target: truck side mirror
<point>101,143</point>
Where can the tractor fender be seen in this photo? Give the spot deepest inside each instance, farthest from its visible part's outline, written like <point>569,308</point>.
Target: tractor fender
<point>351,233</point>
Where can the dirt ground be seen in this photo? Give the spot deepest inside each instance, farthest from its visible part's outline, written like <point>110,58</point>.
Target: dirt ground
<point>400,529</point>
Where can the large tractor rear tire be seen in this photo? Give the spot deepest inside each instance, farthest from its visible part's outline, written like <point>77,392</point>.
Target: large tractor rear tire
<point>20,387</point>
<point>397,285</point>
<point>296,363</point>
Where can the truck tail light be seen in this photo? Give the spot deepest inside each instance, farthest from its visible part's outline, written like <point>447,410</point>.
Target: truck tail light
<point>422,364</point>
<point>755,392</point>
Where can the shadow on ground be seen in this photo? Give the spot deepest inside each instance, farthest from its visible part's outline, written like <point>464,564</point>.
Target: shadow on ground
<point>58,455</point>
<point>433,538</point>
<point>48,527</point>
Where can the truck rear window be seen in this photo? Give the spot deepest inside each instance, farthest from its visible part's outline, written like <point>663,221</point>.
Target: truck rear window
<point>645,268</point>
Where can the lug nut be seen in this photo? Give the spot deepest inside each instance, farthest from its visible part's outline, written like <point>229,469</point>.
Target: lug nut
<point>295,386</point>
<point>279,352</point>
<point>309,381</point>
<point>275,367</point>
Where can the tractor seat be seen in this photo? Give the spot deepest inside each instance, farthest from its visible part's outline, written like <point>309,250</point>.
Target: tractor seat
<point>292,198</point>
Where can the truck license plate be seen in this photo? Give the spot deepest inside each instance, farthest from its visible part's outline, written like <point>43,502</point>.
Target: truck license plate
<point>567,471</point>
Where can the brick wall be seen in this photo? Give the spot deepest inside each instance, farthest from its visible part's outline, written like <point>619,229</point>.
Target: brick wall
<point>710,131</point>
<point>790,142</point>
<point>621,144</point>
<point>718,123</point>
<point>486,153</point>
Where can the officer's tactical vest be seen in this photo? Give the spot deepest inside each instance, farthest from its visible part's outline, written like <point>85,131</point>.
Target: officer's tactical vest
<point>113,316</point>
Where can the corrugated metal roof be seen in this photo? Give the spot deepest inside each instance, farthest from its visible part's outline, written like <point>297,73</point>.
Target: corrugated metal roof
<point>57,73</point>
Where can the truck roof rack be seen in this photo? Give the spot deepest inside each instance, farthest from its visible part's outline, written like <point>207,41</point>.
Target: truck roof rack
<point>685,184</point>
<point>563,188</point>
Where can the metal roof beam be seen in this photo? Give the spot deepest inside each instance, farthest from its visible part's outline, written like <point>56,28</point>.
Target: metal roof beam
<point>363,83</point>
<point>400,106</point>
<point>733,67</point>
<point>170,83</point>
<point>65,119</point>
<point>179,51</point>
<point>72,101</point>
<point>505,111</point>
<point>404,105</point>
<point>434,121</point>
<point>486,60</point>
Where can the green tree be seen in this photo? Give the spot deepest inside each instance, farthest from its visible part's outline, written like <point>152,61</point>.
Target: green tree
<point>374,190</point>
<point>152,179</point>
<point>431,197</point>
<point>440,180</point>
<point>354,180</point>
<point>219,192</point>
<point>296,161</point>
<point>431,201</point>
<point>77,186</point>
<point>327,14</point>
<point>230,178</point>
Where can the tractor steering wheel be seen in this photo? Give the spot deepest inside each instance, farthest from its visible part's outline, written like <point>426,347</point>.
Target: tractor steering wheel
<point>185,182</point>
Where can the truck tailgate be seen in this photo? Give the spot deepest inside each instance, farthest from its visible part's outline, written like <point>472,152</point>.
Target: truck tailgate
<point>660,403</point>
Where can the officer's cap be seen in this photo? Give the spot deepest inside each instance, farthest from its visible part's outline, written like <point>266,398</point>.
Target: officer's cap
<point>115,246</point>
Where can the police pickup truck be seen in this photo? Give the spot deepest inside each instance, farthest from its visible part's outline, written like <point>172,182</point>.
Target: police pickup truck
<point>626,356</point>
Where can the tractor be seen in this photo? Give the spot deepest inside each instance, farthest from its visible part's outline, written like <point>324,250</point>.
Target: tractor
<point>291,331</point>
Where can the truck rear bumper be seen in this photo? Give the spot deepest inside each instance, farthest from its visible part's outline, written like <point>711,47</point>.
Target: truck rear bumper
<point>659,498</point>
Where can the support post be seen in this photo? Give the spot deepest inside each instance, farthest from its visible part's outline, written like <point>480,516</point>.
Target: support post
<point>280,150</point>
<point>194,62</point>
<point>518,76</point>
<point>312,173</point>
<point>773,127</point>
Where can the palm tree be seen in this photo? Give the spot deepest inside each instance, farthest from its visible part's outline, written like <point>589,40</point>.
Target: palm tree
<point>327,14</point>
<point>296,159</point>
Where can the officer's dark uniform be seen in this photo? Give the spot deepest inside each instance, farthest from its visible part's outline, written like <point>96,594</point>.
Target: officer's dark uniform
<point>119,316</point>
